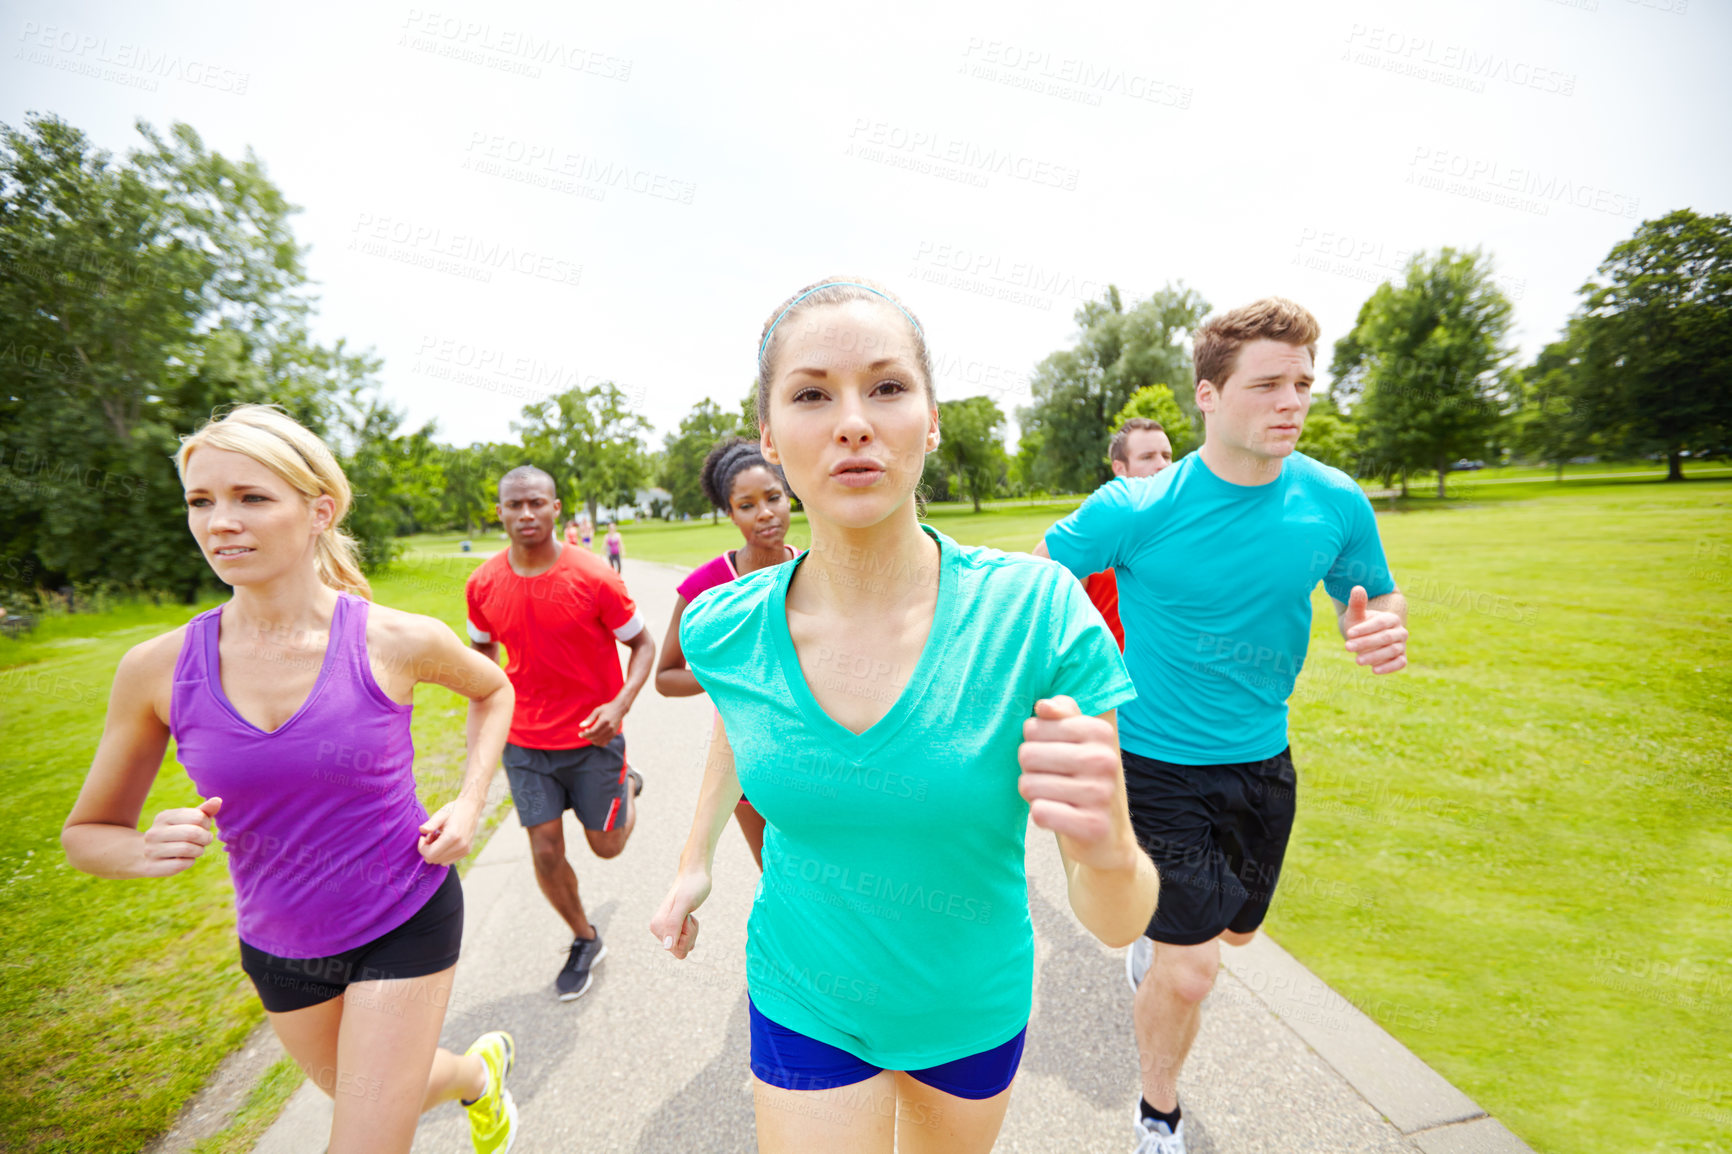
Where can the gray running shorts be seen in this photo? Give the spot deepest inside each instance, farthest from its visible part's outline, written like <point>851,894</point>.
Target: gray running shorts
<point>590,781</point>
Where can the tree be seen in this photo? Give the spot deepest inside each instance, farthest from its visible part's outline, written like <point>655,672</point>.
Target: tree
<point>971,444</point>
<point>1656,337</point>
<point>1078,390</point>
<point>470,478</point>
<point>137,297</point>
<point>684,453</point>
<point>1329,435</point>
<point>589,441</point>
<point>1157,403</point>
<point>1549,426</point>
<point>1428,363</point>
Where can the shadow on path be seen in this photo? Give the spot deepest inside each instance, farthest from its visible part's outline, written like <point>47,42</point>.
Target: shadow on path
<point>1082,1033</point>
<point>713,1111</point>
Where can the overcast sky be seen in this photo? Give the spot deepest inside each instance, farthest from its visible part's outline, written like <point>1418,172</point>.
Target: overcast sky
<point>503,199</point>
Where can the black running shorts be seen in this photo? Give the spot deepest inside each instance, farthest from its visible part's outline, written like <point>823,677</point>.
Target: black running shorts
<point>1217,833</point>
<point>425,944</point>
<point>589,780</point>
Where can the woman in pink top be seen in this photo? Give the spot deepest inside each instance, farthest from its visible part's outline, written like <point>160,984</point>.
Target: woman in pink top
<point>736,478</point>
<point>290,706</point>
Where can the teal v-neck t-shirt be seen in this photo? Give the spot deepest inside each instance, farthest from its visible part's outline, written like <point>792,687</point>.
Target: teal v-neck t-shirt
<point>1215,584</point>
<point>892,916</point>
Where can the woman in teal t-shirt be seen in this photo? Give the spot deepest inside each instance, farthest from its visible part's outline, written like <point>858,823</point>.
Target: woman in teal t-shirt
<point>898,706</point>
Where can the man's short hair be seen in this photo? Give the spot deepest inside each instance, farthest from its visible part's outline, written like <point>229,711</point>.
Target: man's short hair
<point>1215,345</point>
<point>1120,449</point>
<point>529,473</point>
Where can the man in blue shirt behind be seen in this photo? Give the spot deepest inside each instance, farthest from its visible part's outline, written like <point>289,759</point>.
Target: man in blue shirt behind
<point>1216,558</point>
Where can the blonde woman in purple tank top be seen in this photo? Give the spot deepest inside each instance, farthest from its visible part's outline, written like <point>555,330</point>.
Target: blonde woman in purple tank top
<point>290,706</point>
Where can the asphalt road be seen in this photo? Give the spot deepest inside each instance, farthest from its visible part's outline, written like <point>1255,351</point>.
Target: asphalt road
<point>654,1058</point>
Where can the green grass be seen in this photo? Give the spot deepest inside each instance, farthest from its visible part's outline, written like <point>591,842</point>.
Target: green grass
<point>1516,855</point>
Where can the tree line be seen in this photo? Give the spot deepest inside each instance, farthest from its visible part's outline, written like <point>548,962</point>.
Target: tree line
<point>138,295</point>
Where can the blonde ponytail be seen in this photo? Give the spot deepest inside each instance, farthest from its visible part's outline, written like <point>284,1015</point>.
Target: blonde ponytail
<point>281,444</point>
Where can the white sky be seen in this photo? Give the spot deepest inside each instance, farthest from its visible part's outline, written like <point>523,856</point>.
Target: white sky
<point>993,163</point>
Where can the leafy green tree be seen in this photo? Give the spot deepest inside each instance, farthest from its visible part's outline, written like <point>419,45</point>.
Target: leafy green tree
<point>1157,403</point>
<point>589,441</point>
<point>1428,364</point>
<point>136,297</point>
<point>1550,424</point>
<point>971,445</point>
<point>1077,391</point>
<point>1655,337</point>
<point>684,452</point>
<point>1329,435</point>
<point>469,476</point>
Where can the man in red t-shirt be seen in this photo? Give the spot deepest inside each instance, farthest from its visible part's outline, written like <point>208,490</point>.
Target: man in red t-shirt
<point>1139,449</point>
<point>560,611</point>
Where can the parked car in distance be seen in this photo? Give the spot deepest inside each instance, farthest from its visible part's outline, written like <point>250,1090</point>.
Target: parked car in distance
<point>1466,466</point>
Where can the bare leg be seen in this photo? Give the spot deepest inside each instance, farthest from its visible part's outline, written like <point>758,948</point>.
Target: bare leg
<point>752,825</point>
<point>929,1121</point>
<point>857,1119</point>
<point>555,876</point>
<point>1167,1012</point>
<point>374,1051</point>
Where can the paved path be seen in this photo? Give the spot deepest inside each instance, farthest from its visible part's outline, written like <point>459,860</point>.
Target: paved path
<point>654,1058</point>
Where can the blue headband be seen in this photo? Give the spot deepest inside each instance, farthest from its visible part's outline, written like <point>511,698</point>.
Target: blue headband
<point>832,284</point>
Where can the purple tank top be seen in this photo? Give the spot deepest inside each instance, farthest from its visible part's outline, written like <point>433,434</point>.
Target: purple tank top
<point>319,818</point>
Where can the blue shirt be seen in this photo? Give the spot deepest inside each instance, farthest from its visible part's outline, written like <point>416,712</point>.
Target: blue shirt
<point>892,919</point>
<point>1215,584</point>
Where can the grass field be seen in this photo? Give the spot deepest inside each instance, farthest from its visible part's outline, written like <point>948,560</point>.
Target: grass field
<point>1516,855</point>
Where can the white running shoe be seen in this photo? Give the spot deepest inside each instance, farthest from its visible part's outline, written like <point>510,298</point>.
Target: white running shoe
<point>1154,1137</point>
<point>1137,961</point>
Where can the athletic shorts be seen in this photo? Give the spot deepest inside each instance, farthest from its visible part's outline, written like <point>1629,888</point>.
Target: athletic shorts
<point>589,781</point>
<point>425,944</point>
<point>1217,833</point>
<point>789,1059</point>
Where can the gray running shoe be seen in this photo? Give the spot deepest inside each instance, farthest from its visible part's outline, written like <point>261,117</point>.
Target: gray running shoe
<point>575,978</point>
<point>1154,1137</point>
<point>1137,961</point>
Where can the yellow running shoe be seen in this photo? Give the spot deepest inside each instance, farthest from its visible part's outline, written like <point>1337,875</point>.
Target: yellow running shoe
<point>493,1116</point>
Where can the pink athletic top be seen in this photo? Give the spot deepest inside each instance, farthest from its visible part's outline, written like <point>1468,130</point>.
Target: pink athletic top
<point>319,818</point>
<point>717,571</point>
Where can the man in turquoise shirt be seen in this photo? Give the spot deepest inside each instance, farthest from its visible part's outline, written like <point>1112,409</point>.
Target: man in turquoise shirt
<point>1216,558</point>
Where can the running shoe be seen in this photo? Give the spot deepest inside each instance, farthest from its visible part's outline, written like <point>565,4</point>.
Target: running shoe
<point>636,782</point>
<point>493,1116</point>
<point>1137,961</point>
<point>574,980</point>
<point>1154,1138</point>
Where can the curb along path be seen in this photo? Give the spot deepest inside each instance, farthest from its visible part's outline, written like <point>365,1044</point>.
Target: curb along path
<point>654,1058</point>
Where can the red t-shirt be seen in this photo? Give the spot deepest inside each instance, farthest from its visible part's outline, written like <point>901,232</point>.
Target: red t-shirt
<point>560,630</point>
<point>1103,590</point>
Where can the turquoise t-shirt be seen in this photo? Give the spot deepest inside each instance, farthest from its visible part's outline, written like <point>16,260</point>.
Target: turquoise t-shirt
<point>1215,584</point>
<point>892,916</point>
